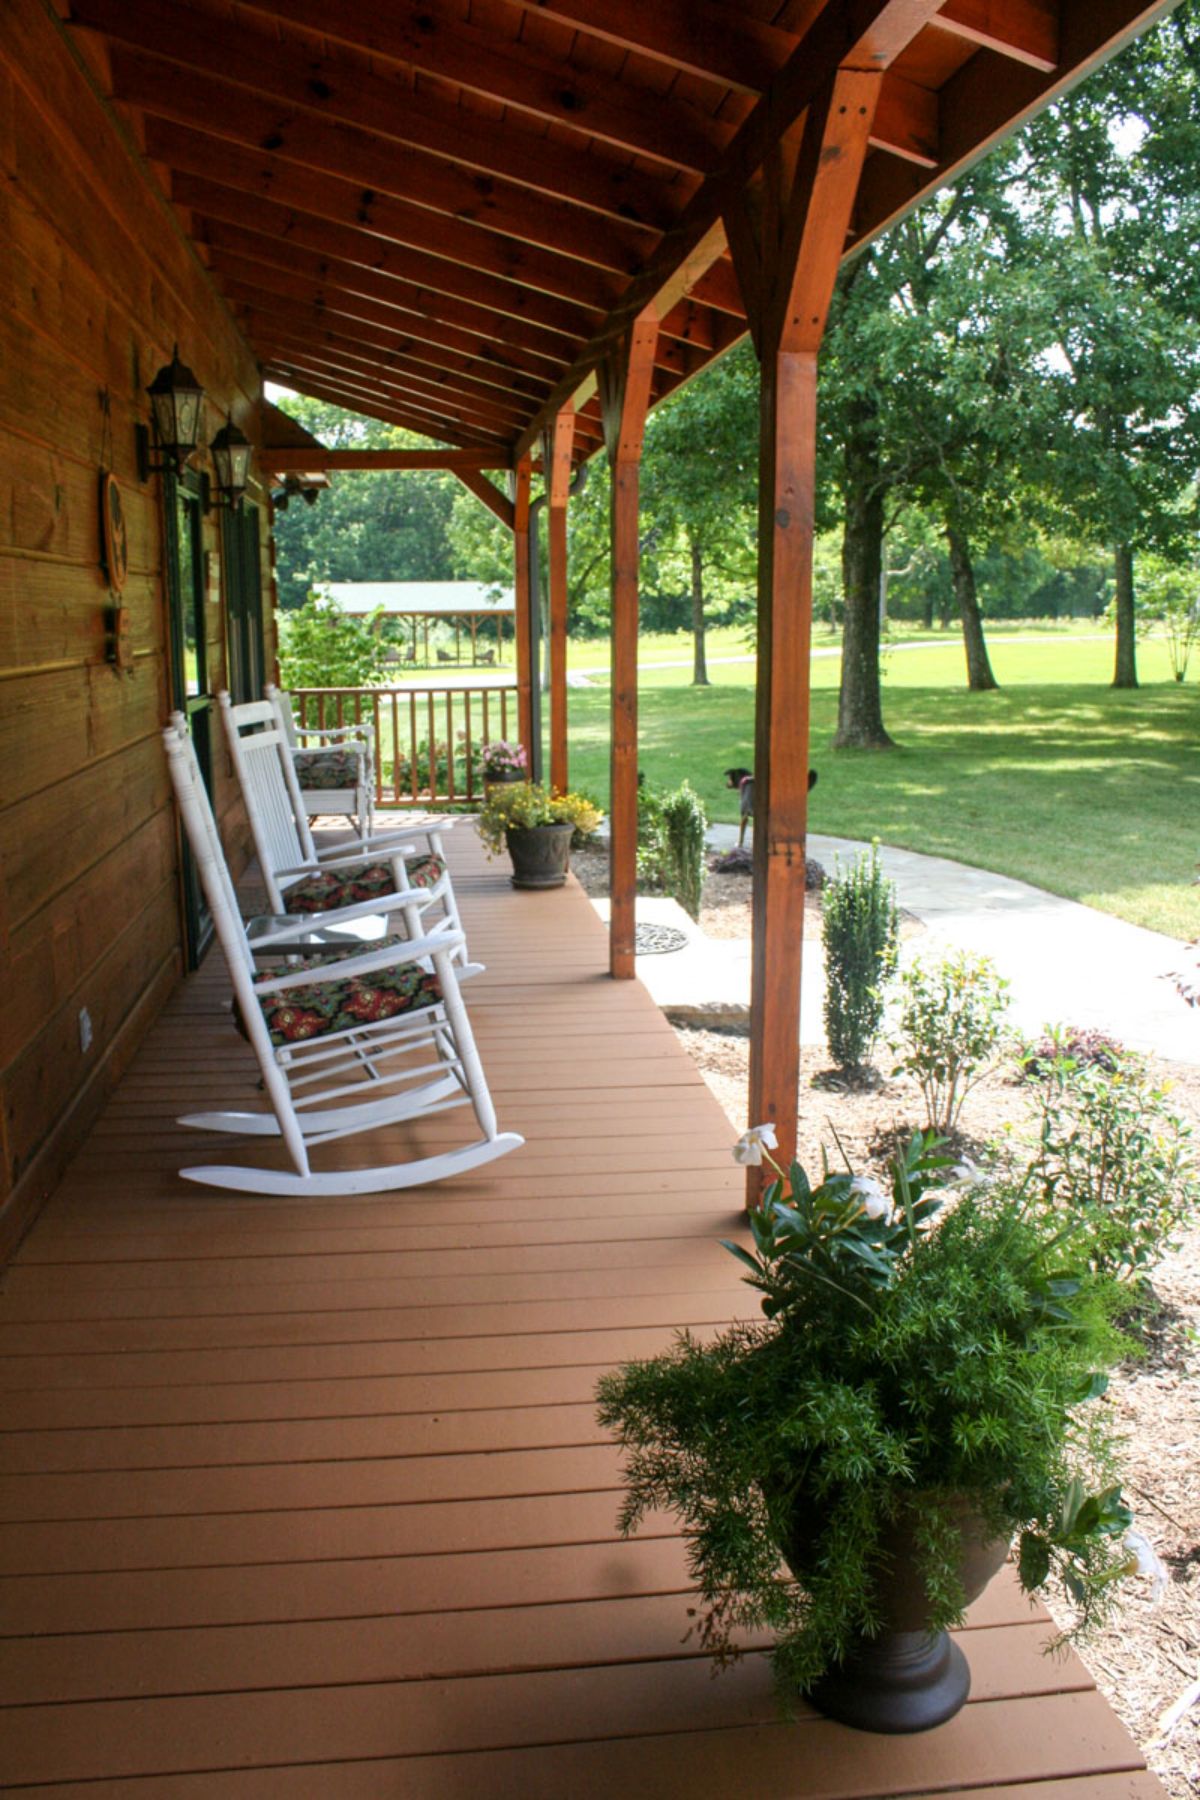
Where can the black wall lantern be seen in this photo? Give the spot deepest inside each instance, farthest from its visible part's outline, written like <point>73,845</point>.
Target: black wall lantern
<point>231,452</point>
<point>175,401</point>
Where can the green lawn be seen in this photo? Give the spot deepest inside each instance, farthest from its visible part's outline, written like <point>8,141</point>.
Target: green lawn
<point>1056,779</point>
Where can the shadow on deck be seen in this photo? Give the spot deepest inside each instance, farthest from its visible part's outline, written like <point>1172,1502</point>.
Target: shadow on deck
<point>307,1499</point>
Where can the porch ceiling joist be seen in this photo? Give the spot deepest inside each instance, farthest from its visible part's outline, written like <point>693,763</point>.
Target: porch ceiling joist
<point>444,215</point>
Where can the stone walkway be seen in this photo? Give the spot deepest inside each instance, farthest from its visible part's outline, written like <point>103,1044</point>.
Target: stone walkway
<point>1065,963</point>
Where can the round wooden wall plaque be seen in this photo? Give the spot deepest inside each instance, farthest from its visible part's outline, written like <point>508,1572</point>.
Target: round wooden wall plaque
<point>114,542</point>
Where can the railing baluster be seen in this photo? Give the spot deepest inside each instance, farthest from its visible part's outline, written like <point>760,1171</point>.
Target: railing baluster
<point>412,744</point>
<point>433,781</point>
<point>469,742</point>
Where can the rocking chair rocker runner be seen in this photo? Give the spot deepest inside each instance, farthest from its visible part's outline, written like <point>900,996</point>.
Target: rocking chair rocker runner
<point>335,764</point>
<point>344,1047</point>
<point>299,878</point>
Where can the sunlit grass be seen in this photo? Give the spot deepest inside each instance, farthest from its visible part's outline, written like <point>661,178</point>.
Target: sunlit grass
<point>1056,778</point>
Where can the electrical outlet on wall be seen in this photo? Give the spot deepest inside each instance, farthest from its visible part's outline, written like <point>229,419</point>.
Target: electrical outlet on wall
<point>85,1030</point>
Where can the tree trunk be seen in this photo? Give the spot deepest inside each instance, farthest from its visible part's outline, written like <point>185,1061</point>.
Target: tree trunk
<point>979,670</point>
<point>1125,675</point>
<point>860,701</point>
<point>699,664</point>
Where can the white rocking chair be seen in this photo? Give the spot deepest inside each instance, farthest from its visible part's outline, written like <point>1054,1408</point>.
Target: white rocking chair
<point>343,1048</point>
<point>336,773</point>
<point>299,878</point>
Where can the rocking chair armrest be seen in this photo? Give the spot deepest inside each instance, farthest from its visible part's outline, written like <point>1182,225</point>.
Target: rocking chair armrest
<point>300,925</point>
<point>386,956</point>
<point>349,856</point>
<point>372,849</point>
<point>431,827</point>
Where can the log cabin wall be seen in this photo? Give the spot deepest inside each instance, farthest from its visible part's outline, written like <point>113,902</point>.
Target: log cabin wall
<point>97,282</point>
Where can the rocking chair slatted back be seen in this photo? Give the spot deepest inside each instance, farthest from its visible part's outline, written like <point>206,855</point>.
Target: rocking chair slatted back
<point>357,742</point>
<point>283,841</point>
<point>348,1047</point>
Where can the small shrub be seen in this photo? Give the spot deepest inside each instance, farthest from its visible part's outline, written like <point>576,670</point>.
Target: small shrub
<point>651,839</point>
<point>1078,1044</point>
<point>441,770</point>
<point>860,930</point>
<point>684,823</point>
<point>949,1030</point>
<point>322,645</point>
<point>1110,1150</point>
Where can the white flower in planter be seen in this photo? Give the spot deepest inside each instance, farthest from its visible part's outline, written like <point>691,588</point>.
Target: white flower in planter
<point>875,1203</point>
<point>1145,1560</point>
<point>966,1174</point>
<point>751,1145</point>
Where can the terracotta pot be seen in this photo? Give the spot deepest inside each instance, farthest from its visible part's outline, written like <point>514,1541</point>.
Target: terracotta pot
<point>908,1678</point>
<point>541,854</point>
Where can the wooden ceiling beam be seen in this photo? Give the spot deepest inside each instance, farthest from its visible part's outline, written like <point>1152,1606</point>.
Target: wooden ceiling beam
<point>990,97</point>
<point>271,289</point>
<point>429,183</point>
<point>906,122</point>
<point>514,314</point>
<point>268,322</point>
<point>366,394</point>
<point>478,484</point>
<point>716,43</point>
<point>269,330</point>
<point>302,381</point>
<point>469,246</point>
<point>868,36</point>
<point>716,285</point>
<point>292,74</point>
<point>345,287</point>
<point>327,350</point>
<point>428,35</point>
<point>322,460</point>
<point>1025,30</point>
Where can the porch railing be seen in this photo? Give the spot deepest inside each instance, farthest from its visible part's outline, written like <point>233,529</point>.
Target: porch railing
<point>427,738</point>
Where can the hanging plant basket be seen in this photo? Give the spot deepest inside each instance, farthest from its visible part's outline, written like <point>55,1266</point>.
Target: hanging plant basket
<point>541,854</point>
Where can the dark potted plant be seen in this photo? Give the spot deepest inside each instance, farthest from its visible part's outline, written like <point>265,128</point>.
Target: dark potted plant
<point>851,1469</point>
<point>502,764</point>
<point>536,826</point>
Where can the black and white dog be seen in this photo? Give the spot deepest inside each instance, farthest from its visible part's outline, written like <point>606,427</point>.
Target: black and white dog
<point>743,780</point>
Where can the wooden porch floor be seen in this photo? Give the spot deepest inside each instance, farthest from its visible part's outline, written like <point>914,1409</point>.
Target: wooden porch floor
<point>307,1500</point>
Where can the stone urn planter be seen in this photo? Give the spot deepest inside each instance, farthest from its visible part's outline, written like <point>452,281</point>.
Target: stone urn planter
<point>908,1678</point>
<point>541,854</point>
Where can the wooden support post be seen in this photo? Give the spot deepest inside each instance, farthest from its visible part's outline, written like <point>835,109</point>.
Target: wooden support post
<point>625,378</point>
<point>787,240</point>
<point>522,598</point>
<point>559,490</point>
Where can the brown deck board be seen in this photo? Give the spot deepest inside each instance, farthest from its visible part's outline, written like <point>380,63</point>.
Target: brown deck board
<point>307,1498</point>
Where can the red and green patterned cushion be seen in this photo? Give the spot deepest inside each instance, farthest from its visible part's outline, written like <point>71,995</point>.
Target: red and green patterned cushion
<point>301,1013</point>
<point>320,770</point>
<point>327,889</point>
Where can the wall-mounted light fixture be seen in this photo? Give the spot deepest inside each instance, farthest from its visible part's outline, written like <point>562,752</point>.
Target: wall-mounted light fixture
<point>176,398</point>
<point>231,452</point>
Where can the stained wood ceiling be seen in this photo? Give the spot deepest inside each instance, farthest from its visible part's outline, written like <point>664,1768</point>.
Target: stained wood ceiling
<point>441,213</point>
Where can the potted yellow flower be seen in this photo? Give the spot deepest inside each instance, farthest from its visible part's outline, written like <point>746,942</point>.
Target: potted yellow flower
<point>536,826</point>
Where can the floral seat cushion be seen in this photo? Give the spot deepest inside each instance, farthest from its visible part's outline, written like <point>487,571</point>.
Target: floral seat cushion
<point>323,770</point>
<point>327,889</point>
<point>301,1013</point>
